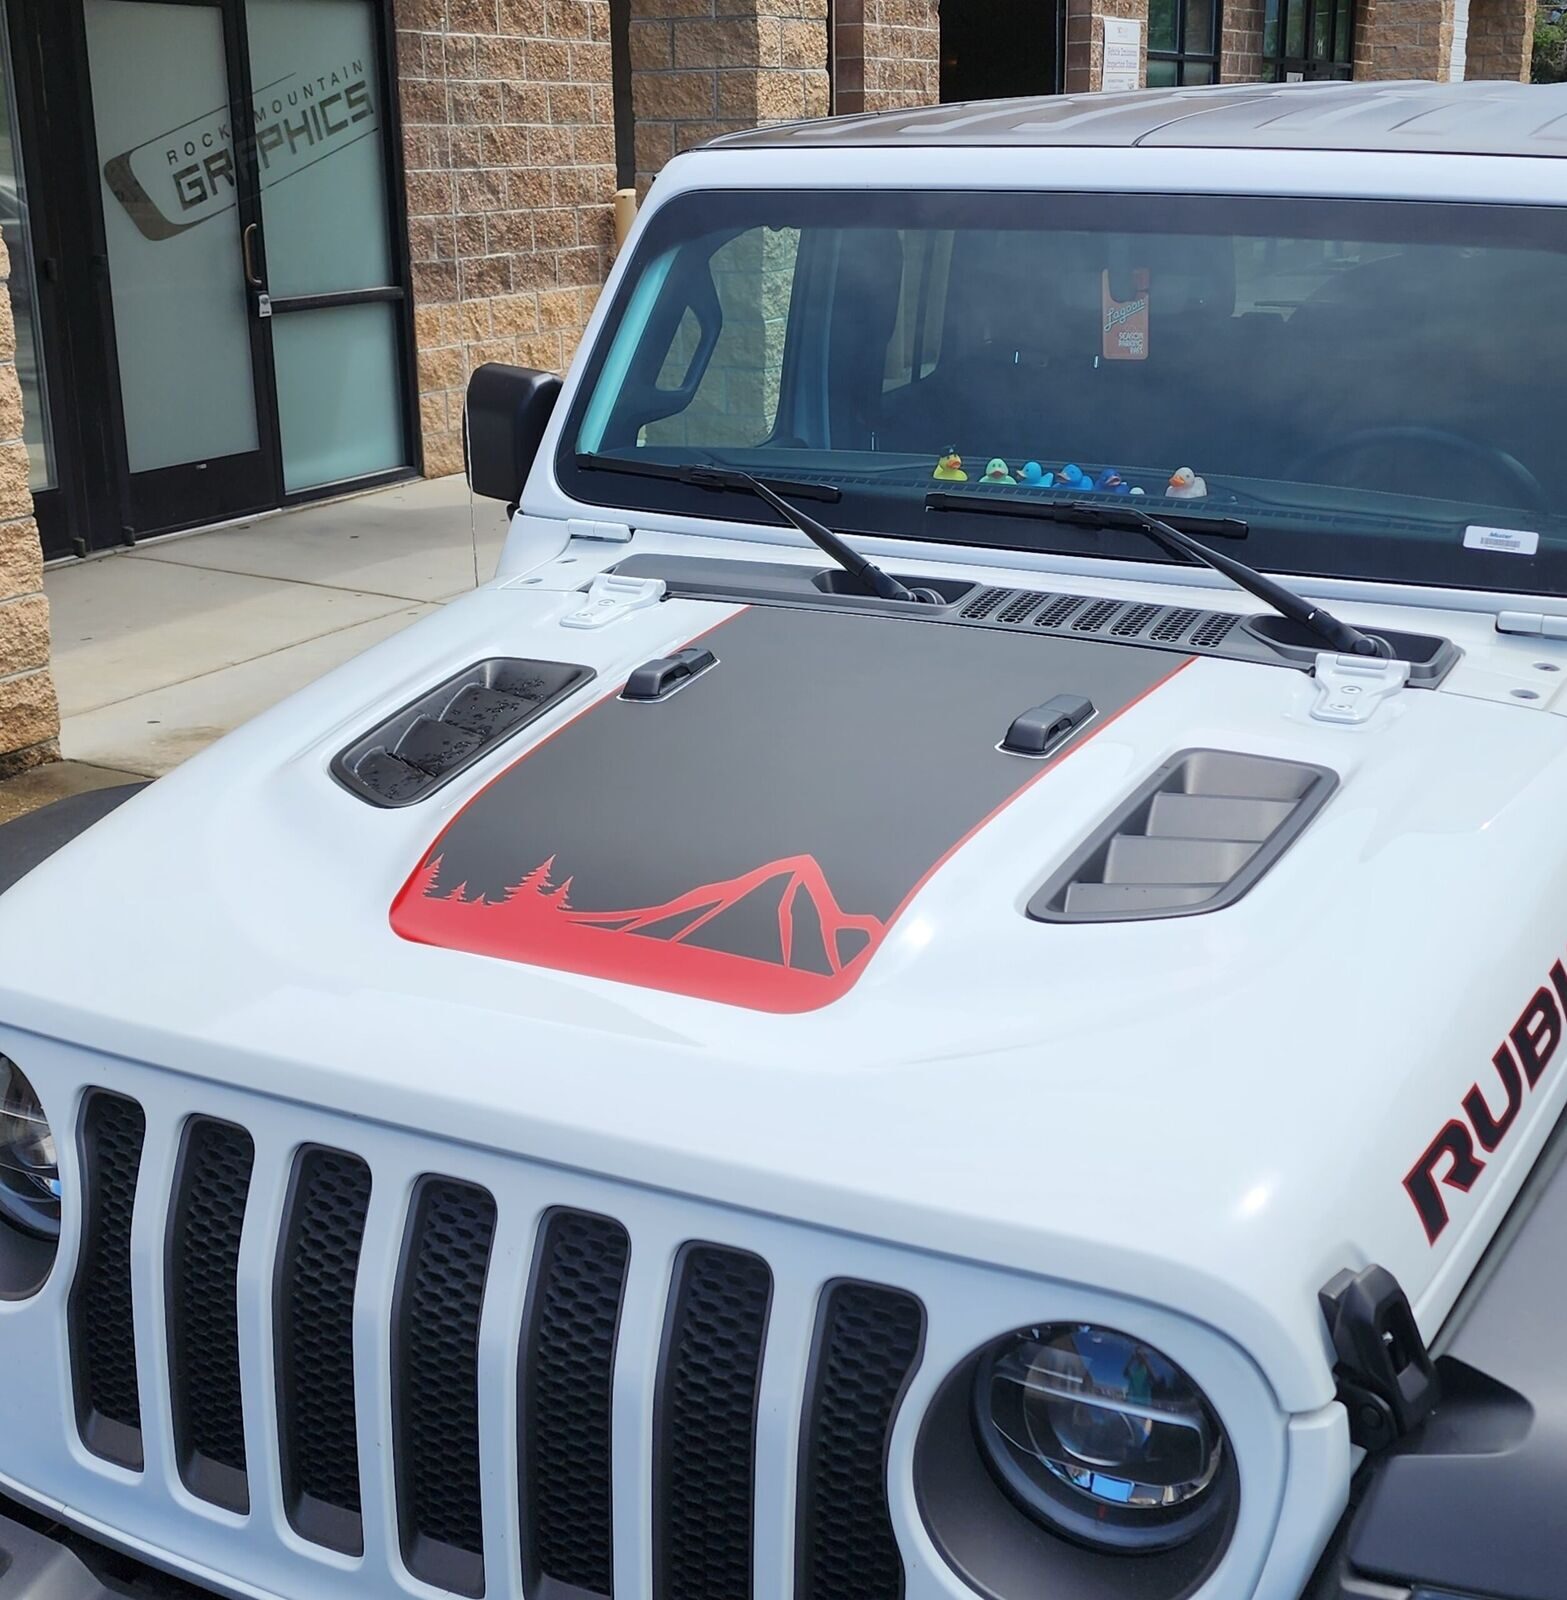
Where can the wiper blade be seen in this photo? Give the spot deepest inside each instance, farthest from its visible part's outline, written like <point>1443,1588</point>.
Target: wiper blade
<point>700,476</point>
<point>1213,527</point>
<point>881,584</point>
<point>1339,636</point>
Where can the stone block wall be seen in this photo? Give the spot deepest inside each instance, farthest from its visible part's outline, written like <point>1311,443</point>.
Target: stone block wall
<point>1404,39</point>
<point>1501,39</point>
<point>886,55</point>
<point>29,713</point>
<point>509,143</point>
<point>700,68</point>
<point>1240,43</point>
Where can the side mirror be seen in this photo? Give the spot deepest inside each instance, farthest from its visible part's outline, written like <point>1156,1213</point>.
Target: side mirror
<point>508,409</point>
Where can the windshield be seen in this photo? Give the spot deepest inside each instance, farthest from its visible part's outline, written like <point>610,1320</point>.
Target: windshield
<point>1372,387</point>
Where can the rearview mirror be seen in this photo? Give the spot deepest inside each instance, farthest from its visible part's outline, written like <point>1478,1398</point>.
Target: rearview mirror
<point>507,411</point>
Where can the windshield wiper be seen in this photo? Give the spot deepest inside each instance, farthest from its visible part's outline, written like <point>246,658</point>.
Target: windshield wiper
<point>881,584</point>
<point>700,476</point>
<point>1339,636</point>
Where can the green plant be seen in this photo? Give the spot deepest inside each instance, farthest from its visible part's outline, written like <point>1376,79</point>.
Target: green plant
<point>1550,49</point>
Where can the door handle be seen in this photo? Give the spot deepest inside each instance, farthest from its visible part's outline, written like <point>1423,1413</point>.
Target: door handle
<point>247,244</point>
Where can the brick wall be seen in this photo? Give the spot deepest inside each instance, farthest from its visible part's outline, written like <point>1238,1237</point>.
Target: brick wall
<point>508,134</point>
<point>886,54</point>
<point>29,714</point>
<point>1085,40</point>
<point>1501,39</point>
<point>1240,43</point>
<point>704,67</point>
<point>1404,39</point>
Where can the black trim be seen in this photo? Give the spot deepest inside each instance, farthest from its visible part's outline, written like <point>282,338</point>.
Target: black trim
<point>201,1285</point>
<point>704,1424</point>
<point>313,1328</point>
<point>565,1406</point>
<point>283,305</point>
<point>99,1318</point>
<point>862,1363</point>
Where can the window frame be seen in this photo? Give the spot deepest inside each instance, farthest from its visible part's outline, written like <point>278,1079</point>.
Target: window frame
<point>1339,63</point>
<point>1181,57</point>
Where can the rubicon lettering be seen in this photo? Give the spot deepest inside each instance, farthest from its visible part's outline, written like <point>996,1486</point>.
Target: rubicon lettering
<point>1456,1157</point>
<point>176,180</point>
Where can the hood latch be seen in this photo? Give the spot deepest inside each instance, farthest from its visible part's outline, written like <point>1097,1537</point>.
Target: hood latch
<point>1386,1378</point>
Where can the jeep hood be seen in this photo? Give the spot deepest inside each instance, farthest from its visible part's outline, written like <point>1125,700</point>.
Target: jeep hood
<point>766,941</point>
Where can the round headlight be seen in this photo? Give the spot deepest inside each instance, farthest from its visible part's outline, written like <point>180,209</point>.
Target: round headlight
<point>29,1170</point>
<point>1100,1437</point>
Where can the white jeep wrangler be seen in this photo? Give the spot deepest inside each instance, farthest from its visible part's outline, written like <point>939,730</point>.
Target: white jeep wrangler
<point>888,1011</point>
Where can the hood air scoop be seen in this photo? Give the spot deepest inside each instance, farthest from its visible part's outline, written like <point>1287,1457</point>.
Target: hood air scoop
<point>1196,836</point>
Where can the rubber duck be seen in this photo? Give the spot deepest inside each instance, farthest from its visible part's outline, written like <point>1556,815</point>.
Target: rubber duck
<point>1184,484</point>
<point>950,468</point>
<point>1072,476</point>
<point>997,471</point>
<point>1111,482</point>
<point>1035,476</point>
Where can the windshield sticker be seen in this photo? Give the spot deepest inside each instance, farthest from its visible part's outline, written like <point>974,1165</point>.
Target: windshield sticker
<point>1126,321</point>
<point>1510,541</point>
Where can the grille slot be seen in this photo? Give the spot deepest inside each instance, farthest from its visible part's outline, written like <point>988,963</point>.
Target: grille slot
<point>1174,623</point>
<point>868,1342</point>
<point>1096,616</point>
<point>103,1341</point>
<point>1213,630</point>
<point>1058,611</point>
<point>1135,618</point>
<point>705,1443</point>
<point>435,1383</point>
<point>205,1223</point>
<point>323,1230</point>
<point>568,1362</point>
<point>1020,608</point>
<point>983,604</point>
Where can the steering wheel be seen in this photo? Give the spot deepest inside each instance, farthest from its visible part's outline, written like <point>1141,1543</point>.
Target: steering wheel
<point>1499,461</point>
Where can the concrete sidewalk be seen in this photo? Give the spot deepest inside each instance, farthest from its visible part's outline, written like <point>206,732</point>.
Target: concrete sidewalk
<point>160,650</point>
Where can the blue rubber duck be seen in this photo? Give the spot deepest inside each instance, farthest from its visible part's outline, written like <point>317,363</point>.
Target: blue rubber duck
<point>1035,476</point>
<point>1111,482</point>
<point>1072,476</point>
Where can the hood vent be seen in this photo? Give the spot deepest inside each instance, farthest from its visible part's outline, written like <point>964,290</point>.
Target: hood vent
<point>427,743</point>
<point>1196,836</point>
<point>1120,619</point>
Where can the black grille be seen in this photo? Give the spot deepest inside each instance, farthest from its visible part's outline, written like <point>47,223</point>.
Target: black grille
<point>867,1343</point>
<point>1213,631</point>
<point>205,1223</point>
<point>1096,616</point>
<point>103,1342</point>
<point>983,604</point>
<point>1173,624</point>
<point>435,1383</point>
<point>1058,611</point>
<point>1134,620</point>
<point>1020,608</point>
<point>568,1364</point>
<point>323,1230</point>
<point>705,1439</point>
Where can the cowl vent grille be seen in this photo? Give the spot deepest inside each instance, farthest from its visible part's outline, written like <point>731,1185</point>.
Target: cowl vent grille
<point>1196,836</point>
<point>1119,619</point>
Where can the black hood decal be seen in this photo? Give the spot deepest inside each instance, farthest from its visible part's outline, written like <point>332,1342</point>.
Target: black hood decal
<point>752,838</point>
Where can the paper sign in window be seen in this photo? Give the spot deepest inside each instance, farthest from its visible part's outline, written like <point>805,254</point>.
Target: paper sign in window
<point>1126,321</point>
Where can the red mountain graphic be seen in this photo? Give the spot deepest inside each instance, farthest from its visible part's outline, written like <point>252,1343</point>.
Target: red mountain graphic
<point>536,923</point>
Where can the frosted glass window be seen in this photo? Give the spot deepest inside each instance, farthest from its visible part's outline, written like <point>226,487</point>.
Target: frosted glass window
<point>319,129</point>
<point>338,393</point>
<point>166,161</point>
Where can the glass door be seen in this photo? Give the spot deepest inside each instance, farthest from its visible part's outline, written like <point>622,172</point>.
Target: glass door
<point>339,310</point>
<point>180,262</point>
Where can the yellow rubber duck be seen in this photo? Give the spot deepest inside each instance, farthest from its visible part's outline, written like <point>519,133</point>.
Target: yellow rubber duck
<point>950,468</point>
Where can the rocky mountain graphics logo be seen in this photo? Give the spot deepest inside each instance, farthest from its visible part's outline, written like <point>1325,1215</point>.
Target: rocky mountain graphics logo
<point>183,177</point>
